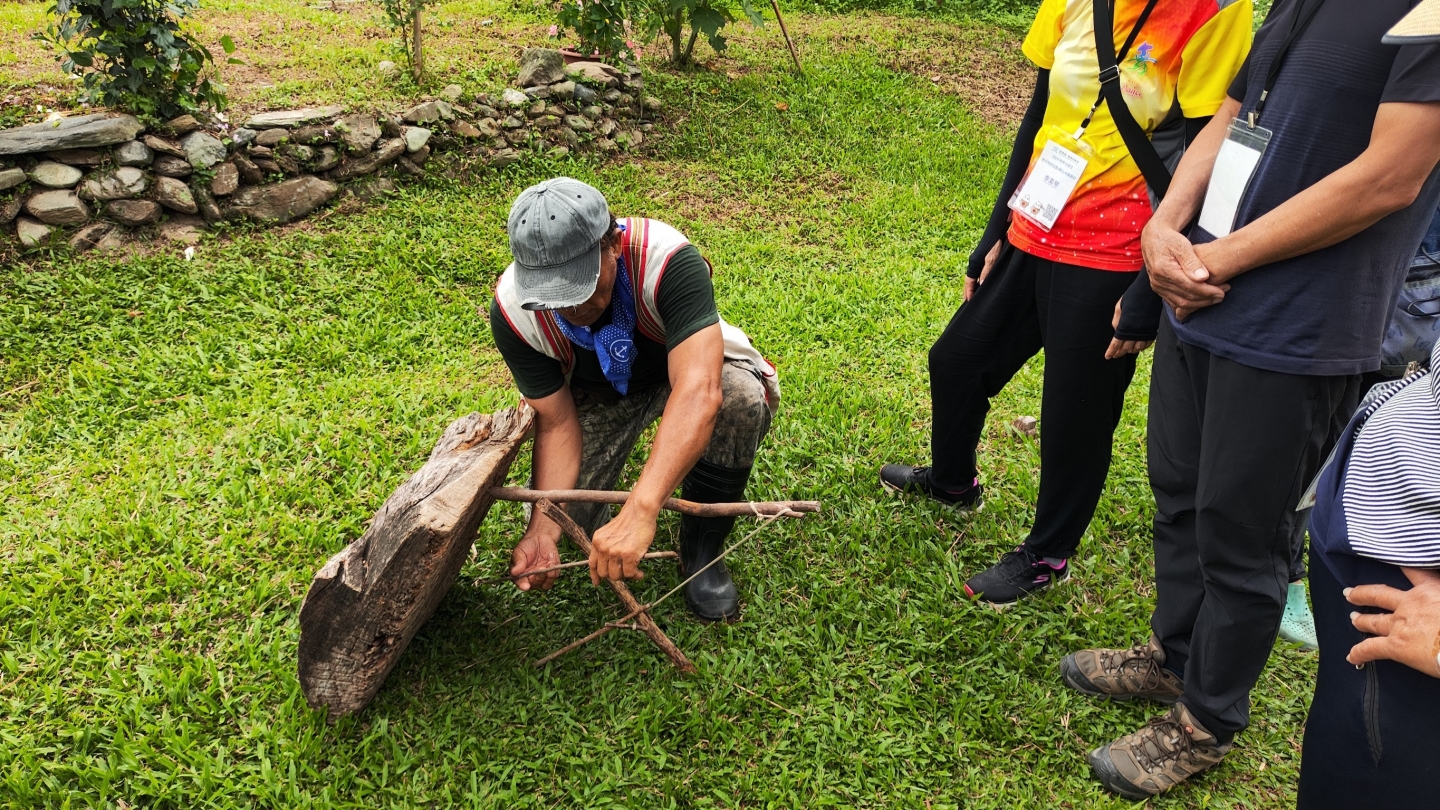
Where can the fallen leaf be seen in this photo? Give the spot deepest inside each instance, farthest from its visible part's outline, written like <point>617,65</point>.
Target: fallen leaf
<point>781,106</point>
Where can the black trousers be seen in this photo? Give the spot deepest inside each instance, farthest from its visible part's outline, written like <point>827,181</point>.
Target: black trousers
<point>1373,735</point>
<point>1027,304</point>
<point>1231,450</point>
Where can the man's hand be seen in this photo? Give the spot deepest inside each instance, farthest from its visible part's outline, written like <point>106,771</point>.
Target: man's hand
<point>971,285</point>
<point>618,546</point>
<point>1120,348</point>
<point>1176,272</point>
<point>1410,632</point>
<point>535,551</point>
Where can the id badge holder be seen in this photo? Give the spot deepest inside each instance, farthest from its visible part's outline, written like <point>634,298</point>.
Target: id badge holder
<point>1052,178</point>
<point>1234,166</point>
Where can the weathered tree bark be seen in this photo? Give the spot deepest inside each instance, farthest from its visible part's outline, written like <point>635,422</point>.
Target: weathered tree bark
<point>370,599</point>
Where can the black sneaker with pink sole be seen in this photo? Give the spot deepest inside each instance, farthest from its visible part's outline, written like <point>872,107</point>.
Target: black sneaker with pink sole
<point>1018,574</point>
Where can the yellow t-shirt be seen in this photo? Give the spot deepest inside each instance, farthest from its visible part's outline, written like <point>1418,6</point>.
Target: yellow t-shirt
<point>1181,64</point>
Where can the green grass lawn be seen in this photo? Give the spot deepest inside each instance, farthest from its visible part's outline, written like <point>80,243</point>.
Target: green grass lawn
<point>182,444</point>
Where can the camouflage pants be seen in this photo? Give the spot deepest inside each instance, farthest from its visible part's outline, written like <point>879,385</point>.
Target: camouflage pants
<point>610,427</point>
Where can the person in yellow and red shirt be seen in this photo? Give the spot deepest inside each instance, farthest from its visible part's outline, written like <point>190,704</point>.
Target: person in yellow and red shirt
<point>1051,275</point>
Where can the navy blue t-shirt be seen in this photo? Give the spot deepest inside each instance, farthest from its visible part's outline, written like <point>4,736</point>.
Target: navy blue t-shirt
<point>1321,313</point>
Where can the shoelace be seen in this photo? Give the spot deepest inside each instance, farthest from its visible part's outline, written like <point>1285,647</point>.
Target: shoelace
<point>1170,739</point>
<point>1136,660</point>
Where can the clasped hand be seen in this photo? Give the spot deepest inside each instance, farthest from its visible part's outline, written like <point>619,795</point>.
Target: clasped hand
<point>616,551</point>
<point>1177,273</point>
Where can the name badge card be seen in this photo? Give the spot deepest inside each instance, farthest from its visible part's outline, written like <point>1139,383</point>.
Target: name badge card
<point>1234,166</point>
<point>1047,186</point>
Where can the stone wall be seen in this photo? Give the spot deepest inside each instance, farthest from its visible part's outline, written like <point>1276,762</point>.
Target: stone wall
<point>92,179</point>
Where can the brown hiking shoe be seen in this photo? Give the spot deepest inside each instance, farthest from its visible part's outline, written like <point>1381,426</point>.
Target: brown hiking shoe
<point>1167,751</point>
<point>1138,672</point>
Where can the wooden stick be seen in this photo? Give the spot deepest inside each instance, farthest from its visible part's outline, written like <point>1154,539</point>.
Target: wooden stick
<point>775,4</point>
<point>647,624</point>
<point>654,555</point>
<point>642,610</point>
<point>758,509</point>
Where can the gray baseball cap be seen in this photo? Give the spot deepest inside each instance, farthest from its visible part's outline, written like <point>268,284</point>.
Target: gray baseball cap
<point>555,229</point>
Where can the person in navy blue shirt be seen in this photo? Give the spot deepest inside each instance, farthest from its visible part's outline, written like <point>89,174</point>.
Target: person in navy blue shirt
<point>1268,328</point>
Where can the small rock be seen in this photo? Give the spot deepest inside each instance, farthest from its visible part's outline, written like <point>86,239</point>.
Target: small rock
<point>203,150</point>
<point>50,174</point>
<point>288,163</point>
<point>371,188</point>
<point>390,126</point>
<point>512,122</point>
<point>579,123</point>
<point>293,118</point>
<point>407,168</point>
<point>326,159</point>
<point>568,135</point>
<point>59,207</point>
<point>10,178</point>
<point>514,98</point>
<point>415,137</point>
<point>164,146</point>
<point>560,152</point>
<point>297,151</point>
<point>243,136</point>
<point>171,166</point>
<point>9,209</point>
<point>594,72</point>
<point>226,180</point>
<point>261,151</point>
<point>267,166</point>
<point>112,241</point>
<point>425,113</point>
<point>124,183</point>
<point>606,127</point>
<point>652,104</point>
<point>313,135</point>
<point>540,66</point>
<point>271,138</point>
<point>249,172</point>
<point>285,202</point>
<point>541,92</point>
<point>606,145</point>
<point>78,157</point>
<point>486,111</point>
<point>134,153</point>
<point>452,93</point>
<point>647,127</point>
<point>1026,426</point>
<point>31,233</point>
<point>517,137</point>
<point>175,195</point>
<point>592,112</point>
<point>487,127</point>
<point>465,129</point>
<point>564,90</point>
<point>634,137</point>
<point>358,132</point>
<point>461,111</point>
<point>547,121</point>
<point>583,94</point>
<point>536,110</point>
<point>209,209</point>
<point>182,229</point>
<point>420,156</point>
<point>133,213</point>
<point>182,124</point>
<point>504,158</point>
<point>385,152</point>
<point>90,236</point>
<point>387,68</point>
<point>611,96</point>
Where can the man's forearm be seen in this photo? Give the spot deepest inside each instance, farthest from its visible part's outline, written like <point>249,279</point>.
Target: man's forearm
<point>1385,178</point>
<point>1192,177</point>
<point>555,460</point>
<point>684,432</point>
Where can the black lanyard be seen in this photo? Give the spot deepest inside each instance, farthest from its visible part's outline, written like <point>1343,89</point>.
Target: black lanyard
<point>1298,23</point>
<point>1112,73</point>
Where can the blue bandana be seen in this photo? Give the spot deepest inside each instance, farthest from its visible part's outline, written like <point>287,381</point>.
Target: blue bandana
<point>613,343</point>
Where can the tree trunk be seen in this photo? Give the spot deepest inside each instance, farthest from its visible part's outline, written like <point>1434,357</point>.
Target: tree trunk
<point>370,599</point>
<point>417,61</point>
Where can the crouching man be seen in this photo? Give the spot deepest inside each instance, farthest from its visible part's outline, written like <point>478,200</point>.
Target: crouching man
<point>608,325</point>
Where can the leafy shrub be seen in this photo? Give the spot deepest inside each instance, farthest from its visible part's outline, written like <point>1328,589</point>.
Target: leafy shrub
<point>672,17</point>
<point>600,26</point>
<point>404,19</point>
<point>133,55</point>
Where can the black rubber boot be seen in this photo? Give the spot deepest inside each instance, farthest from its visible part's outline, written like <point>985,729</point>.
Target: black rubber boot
<point>710,596</point>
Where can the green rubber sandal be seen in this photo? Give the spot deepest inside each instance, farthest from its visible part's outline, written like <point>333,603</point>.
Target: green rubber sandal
<point>1298,624</point>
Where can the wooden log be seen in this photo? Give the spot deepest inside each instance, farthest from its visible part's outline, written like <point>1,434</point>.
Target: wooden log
<point>366,604</point>
<point>755,509</point>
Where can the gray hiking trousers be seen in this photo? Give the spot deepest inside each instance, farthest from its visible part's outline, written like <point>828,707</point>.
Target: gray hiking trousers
<point>611,426</point>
